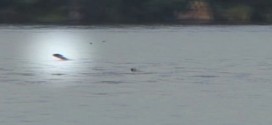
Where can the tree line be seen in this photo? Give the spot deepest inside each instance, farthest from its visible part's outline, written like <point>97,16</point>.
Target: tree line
<point>134,11</point>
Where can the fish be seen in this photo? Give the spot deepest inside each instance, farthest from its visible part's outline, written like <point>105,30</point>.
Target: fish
<point>59,56</point>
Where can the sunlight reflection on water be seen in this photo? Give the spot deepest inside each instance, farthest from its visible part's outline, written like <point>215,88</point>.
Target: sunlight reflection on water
<point>63,42</point>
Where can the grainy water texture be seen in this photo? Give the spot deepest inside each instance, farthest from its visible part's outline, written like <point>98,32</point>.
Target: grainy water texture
<point>185,75</point>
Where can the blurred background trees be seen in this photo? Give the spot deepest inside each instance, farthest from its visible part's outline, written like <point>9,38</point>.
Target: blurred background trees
<point>135,11</point>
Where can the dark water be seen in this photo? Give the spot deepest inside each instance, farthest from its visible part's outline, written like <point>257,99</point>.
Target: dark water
<point>199,75</point>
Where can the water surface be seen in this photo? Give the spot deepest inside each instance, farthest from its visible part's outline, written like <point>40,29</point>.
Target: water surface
<point>196,75</point>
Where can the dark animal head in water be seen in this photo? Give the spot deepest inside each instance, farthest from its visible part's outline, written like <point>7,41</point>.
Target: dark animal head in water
<point>59,56</point>
<point>133,70</point>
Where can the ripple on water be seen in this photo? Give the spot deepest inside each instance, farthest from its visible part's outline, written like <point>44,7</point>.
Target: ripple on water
<point>21,74</point>
<point>206,76</point>
<point>58,74</point>
<point>36,82</point>
<point>111,82</point>
<point>2,69</point>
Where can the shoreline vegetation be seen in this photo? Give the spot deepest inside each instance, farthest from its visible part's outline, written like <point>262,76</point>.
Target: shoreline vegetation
<point>143,12</point>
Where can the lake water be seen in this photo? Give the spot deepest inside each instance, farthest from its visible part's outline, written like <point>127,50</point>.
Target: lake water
<point>185,75</point>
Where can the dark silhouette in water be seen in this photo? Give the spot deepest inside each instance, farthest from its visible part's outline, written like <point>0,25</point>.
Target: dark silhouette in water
<point>59,56</point>
<point>133,69</point>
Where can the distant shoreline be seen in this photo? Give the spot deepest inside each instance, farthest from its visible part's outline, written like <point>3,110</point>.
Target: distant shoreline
<point>135,24</point>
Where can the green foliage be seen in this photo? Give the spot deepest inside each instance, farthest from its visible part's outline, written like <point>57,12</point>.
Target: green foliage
<point>129,11</point>
<point>238,13</point>
<point>163,10</point>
